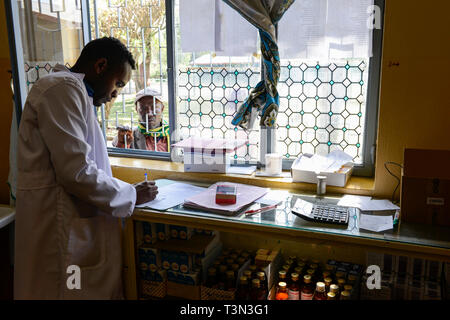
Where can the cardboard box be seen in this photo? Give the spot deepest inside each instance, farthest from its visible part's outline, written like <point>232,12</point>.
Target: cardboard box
<point>425,188</point>
<point>215,161</point>
<point>338,179</point>
<point>208,154</point>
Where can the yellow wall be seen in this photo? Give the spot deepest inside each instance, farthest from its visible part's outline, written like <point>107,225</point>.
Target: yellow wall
<point>5,106</point>
<point>414,97</point>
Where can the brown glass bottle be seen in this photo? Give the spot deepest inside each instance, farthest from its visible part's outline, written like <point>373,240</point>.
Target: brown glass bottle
<point>327,282</point>
<point>211,280</point>
<point>286,268</point>
<point>345,295</point>
<point>294,287</point>
<point>222,276</point>
<point>230,283</point>
<point>235,268</point>
<point>248,274</point>
<point>282,276</point>
<point>263,284</point>
<point>253,268</point>
<point>341,283</point>
<point>229,262</point>
<point>325,274</point>
<point>307,290</point>
<point>312,274</point>
<point>335,289</point>
<point>282,292</point>
<point>243,290</point>
<point>298,270</point>
<point>255,292</point>
<point>331,296</point>
<point>351,279</point>
<point>320,293</point>
<point>348,288</point>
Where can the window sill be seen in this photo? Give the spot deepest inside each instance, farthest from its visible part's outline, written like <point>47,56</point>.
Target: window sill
<point>132,170</point>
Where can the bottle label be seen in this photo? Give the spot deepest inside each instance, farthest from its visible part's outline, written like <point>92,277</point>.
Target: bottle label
<point>294,295</point>
<point>307,296</point>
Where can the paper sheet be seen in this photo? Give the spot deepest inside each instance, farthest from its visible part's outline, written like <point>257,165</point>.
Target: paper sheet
<point>282,175</point>
<point>378,205</point>
<point>273,197</point>
<point>375,223</point>
<point>172,195</point>
<point>241,170</point>
<point>349,200</point>
<point>246,194</point>
<point>367,203</point>
<point>332,162</point>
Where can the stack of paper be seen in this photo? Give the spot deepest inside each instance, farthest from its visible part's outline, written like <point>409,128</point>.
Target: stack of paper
<point>206,200</point>
<point>171,194</point>
<point>367,203</point>
<point>372,216</point>
<point>332,162</point>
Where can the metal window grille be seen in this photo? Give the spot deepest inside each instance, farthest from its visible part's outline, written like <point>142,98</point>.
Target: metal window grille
<point>323,105</point>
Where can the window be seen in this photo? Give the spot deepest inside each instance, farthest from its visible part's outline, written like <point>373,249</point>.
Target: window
<point>325,104</point>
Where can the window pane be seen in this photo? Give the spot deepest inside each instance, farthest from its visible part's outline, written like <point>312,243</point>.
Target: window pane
<point>210,88</point>
<point>141,25</point>
<point>322,107</point>
<point>51,33</point>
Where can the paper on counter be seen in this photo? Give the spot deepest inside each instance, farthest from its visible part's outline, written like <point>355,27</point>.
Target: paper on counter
<point>332,162</point>
<point>241,170</point>
<point>265,174</point>
<point>273,197</point>
<point>378,205</point>
<point>375,223</point>
<point>349,200</point>
<point>172,195</point>
<point>367,203</point>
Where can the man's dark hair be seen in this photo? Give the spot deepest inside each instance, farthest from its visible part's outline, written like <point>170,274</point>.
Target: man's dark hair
<point>107,47</point>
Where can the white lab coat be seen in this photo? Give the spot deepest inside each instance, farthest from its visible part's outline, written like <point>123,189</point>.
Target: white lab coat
<point>67,200</point>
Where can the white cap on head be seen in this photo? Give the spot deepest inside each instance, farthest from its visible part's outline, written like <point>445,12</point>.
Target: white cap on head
<point>147,92</point>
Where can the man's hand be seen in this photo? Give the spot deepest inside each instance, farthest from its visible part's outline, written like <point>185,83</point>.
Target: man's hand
<point>146,191</point>
<point>121,133</point>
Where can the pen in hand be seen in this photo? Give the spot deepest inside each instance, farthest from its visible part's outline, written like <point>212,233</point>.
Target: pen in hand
<point>145,177</point>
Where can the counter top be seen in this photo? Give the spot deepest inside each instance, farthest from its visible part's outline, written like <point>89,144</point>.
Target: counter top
<point>7,215</point>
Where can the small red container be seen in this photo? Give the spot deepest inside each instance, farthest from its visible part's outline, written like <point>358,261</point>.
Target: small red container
<point>226,194</point>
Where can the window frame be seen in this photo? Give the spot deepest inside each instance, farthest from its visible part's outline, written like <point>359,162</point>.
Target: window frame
<point>267,135</point>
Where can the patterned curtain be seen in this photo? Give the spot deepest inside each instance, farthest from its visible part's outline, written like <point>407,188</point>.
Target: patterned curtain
<point>263,100</point>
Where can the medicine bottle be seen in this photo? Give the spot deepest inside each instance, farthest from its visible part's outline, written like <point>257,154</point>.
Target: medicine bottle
<point>331,296</point>
<point>230,283</point>
<point>255,293</point>
<point>341,283</point>
<point>243,290</point>
<point>263,284</point>
<point>320,293</point>
<point>211,280</point>
<point>282,276</point>
<point>307,290</point>
<point>345,295</point>
<point>282,292</point>
<point>294,287</point>
<point>327,282</point>
<point>222,276</point>
<point>335,289</point>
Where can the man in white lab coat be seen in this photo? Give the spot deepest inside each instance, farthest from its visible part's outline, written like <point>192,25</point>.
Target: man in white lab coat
<point>67,242</point>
